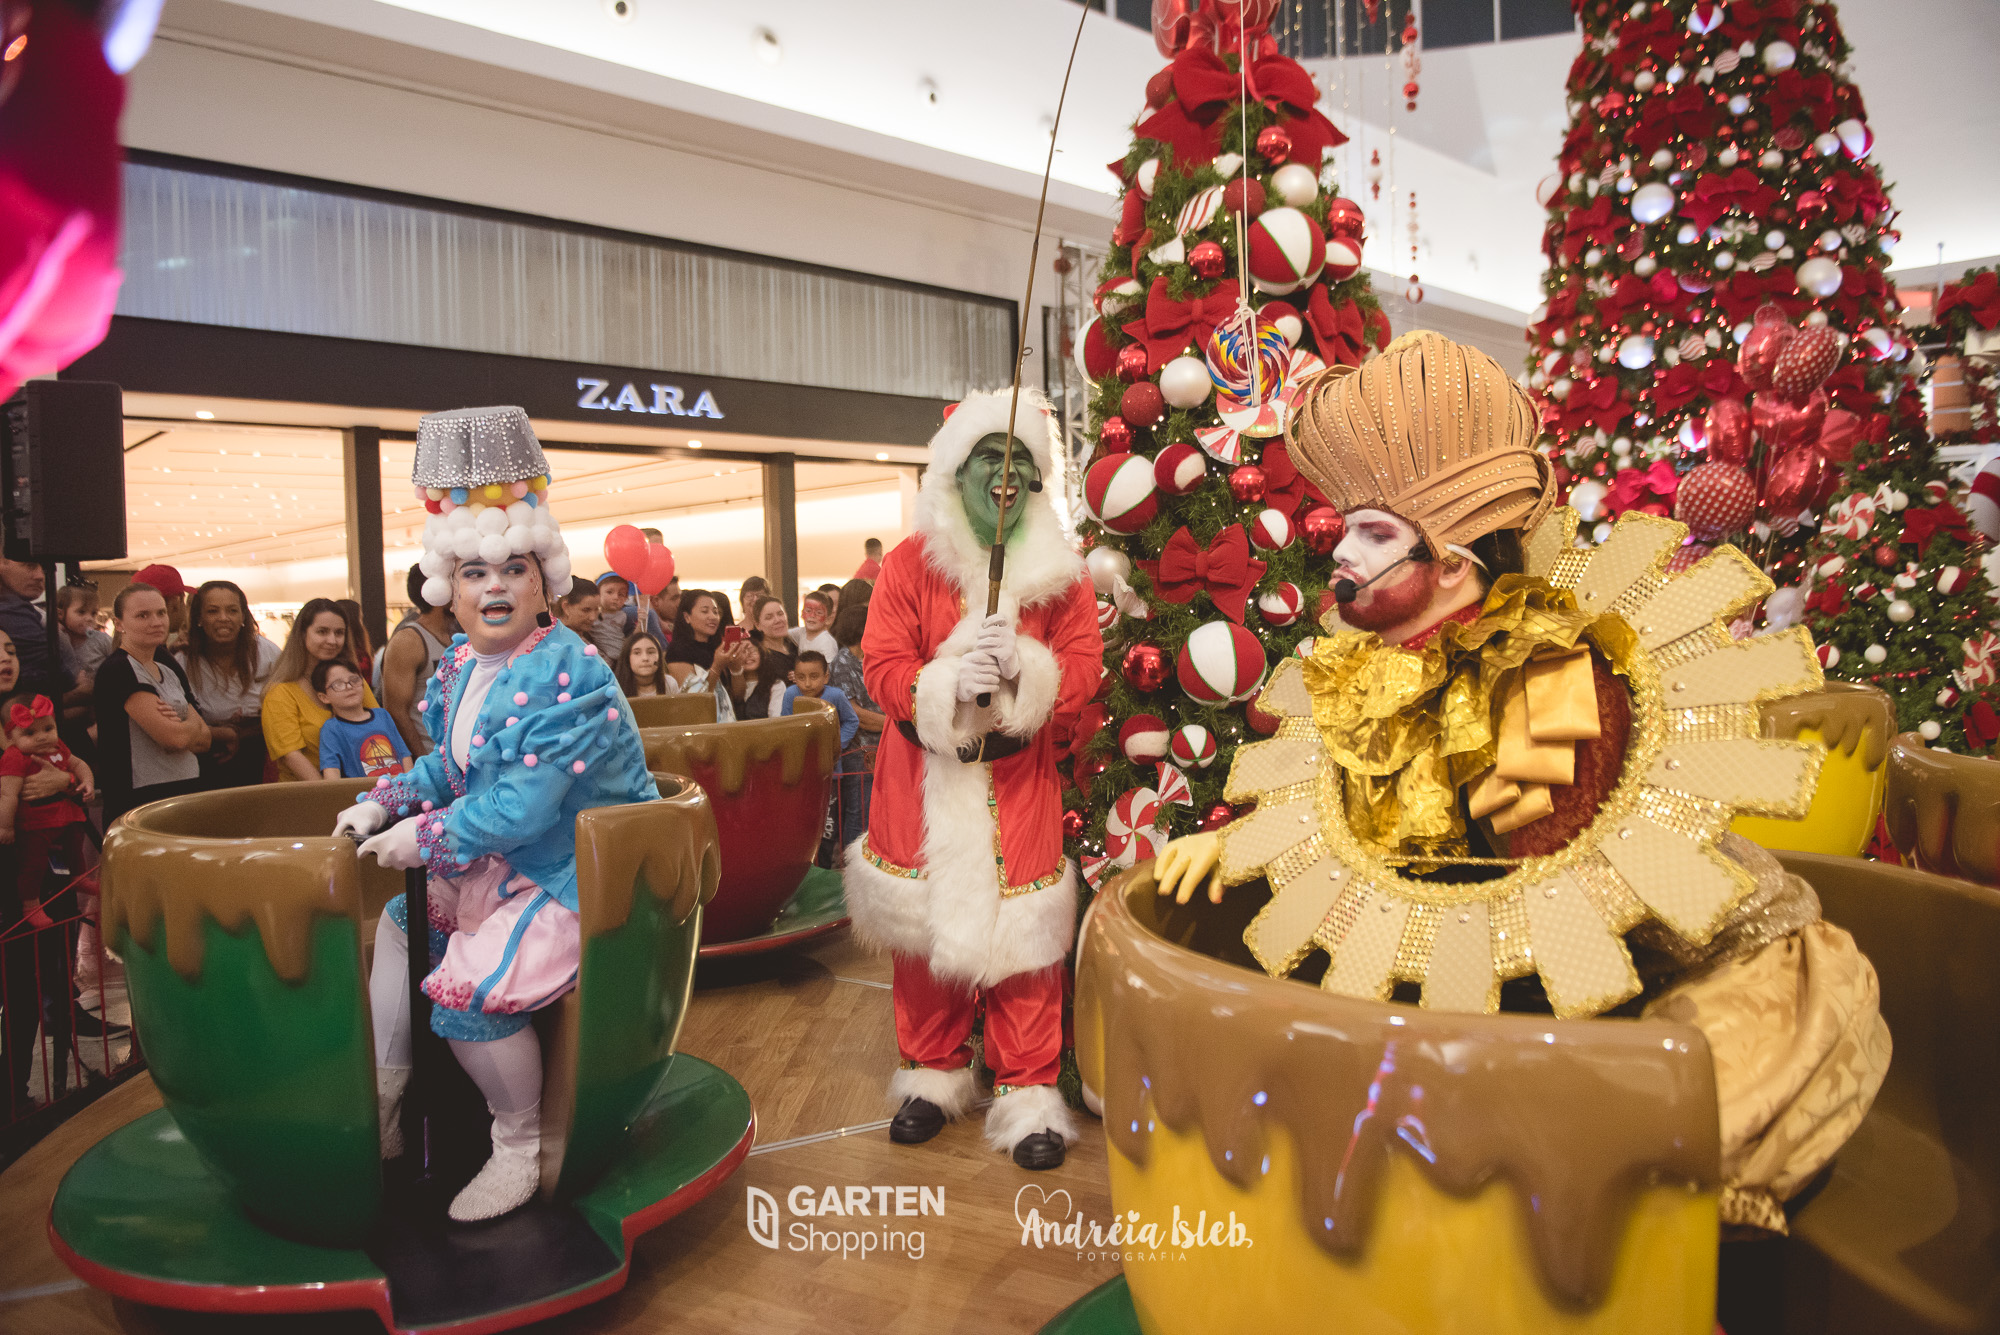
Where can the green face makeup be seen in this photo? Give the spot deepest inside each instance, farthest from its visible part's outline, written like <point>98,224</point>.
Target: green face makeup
<point>980,483</point>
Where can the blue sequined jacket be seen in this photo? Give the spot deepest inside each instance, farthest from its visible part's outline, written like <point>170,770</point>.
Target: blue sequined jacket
<point>554,737</point>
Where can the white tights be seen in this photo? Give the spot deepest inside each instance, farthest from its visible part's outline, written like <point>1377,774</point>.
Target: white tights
<point>508,1070</point>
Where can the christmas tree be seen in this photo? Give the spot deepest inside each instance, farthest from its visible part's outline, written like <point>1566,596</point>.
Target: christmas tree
<point>1234,274</point>
<point>1716,163</point>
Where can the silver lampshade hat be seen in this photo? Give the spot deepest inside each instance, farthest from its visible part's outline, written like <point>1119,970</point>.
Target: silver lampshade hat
<point>482,475</point>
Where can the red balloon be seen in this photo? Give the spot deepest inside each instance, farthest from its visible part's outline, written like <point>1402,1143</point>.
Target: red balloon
<point>1132,363</point>
<point>1767,339</point>
<point>1246,483</point>
<point>1806,361</point>
<point>1729,436</point>
<point>1143,404</point>
<point>1145,666</point>
<point>625,552</point>
<point>1838,434</point>
<point>659,571</point>
<point>1323,528</point>
<point>1794,480</point>
<point>1715,499</point>
<point>1208,259</point>
<point>1785,425</point>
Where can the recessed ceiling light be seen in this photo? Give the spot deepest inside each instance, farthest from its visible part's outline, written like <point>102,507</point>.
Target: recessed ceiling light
<point>694,444</point>
<point>205,415</point>
<point>765,43</point>
<point>883,456</point>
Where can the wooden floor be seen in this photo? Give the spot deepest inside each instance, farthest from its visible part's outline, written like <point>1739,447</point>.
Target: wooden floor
<point>811,1036</point>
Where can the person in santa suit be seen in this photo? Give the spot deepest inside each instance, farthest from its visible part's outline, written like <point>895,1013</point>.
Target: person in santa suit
<point>961,873</point>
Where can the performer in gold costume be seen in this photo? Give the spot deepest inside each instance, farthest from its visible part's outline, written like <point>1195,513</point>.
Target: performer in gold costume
<point>1514,759</point>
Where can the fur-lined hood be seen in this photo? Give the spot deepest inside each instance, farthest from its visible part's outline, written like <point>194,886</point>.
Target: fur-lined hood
<point>1041,564</point>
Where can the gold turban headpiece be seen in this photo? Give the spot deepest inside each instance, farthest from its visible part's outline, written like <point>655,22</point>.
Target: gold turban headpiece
<point>1430,430</point>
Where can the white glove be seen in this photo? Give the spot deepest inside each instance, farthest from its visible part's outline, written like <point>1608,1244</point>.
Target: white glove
<point>976,675</point>
<point>363,819</point>
<point>397,846</point>
<point>996,641</point>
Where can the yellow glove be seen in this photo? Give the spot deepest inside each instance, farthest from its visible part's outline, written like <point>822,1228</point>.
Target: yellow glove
<point>1190,861</point>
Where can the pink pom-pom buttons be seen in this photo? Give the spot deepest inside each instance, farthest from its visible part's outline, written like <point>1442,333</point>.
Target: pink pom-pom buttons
<point>577,767</point>
<point>520,697</point>
<point>531,760</point>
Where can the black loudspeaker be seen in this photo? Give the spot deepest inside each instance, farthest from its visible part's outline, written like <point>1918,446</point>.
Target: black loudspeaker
<point>64,472</point>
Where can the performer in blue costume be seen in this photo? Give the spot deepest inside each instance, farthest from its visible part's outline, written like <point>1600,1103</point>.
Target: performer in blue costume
<point>532,728</point>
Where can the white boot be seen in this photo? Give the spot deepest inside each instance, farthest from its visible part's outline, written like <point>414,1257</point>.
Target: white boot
<point>390,1082</point>
<point>512,1176</point>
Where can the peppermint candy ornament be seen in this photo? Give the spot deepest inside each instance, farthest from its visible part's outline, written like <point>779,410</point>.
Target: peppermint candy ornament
<point>1136,810</point>
<point>1192,746</point>
<point>1173,785</point>
<point>1982,503</point>
<point>1853,517</point>
<point>1952,579</point>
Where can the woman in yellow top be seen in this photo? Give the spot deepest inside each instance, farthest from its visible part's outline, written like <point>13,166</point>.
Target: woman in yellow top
<point>292,715</point>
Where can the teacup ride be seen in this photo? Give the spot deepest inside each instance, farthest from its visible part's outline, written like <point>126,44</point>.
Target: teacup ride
<point>1943,810</point>
<point>673,711</point>
<point>259,1187</point>
<point>1854,723</point>
<point>768,782</point>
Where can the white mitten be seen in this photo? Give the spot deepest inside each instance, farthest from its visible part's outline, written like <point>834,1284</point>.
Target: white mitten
<point>362,819</point>
<point>976,676</point>
<point>397,846</point>
<point>996,641</point>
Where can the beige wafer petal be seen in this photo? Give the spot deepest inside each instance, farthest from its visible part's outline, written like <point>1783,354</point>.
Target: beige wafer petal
<point>1766,777</point>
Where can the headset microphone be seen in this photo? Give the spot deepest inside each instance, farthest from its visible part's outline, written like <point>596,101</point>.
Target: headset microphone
<point>1345,590</point>
<point>1036,485</point>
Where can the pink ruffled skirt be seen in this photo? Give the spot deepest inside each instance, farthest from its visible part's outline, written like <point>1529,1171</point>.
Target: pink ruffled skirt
<point>512,947</point>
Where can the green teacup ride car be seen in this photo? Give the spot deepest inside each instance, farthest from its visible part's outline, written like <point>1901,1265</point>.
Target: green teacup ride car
<point>259,1186</point>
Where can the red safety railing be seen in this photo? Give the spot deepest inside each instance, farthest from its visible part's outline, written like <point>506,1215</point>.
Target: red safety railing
<point>847,803</point>
<point>65,1034</point>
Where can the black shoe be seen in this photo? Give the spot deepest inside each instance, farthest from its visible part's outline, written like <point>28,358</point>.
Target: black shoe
<point>1041,1151</point>
<point>916,1122</point>
<point>87,1025</point>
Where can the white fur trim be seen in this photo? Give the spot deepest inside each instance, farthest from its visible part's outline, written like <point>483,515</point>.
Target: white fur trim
<point>1022,1112</point>
<point>1041,565</point>
<point>1033,698</point>
<point>953,1091</point>
<point>889,912</point>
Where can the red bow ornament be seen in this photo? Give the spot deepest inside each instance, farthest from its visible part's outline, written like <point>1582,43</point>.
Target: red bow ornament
<point>24,716</point>
<point>1636,489</point>
<point>1205,87</point>
<point>1226,571</point>
<point>1342,332</point>
<point>1980,299</point>
<point>1168,326</point>
<point>1920,526</point>
<point>1285,487</point>
<point>1083,729</point>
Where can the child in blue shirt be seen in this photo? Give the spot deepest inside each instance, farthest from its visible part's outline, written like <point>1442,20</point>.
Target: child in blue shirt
<point>357,742</point>
<point>809,679</point>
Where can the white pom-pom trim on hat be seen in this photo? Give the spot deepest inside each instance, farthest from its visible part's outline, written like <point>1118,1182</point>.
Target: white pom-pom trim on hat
<point>465,544</point>
<point>491,520</point>
<point>437,592</point>
<point>493,547</point>
<point>520,540</point>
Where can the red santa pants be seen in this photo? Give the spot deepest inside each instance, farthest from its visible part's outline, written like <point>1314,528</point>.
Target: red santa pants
<point>1023,1022</point>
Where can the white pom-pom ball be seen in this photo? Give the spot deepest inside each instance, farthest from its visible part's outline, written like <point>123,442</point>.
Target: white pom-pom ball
<point>493,547</point>
<point>520,540</point>
<point>520,513</point>
<point>465,544</point>
<point>434,563</point>
<point>437,592</point>
<point>491,520</point>
<point>557,567</point>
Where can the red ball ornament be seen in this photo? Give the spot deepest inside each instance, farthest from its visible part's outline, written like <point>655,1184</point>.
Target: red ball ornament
<point>1132,362</point>
<point>1143,405</point>
<point>1245,197</point>
<point>1246,483</point>
<point>1259,720</point>
<point>1145,666</point>
<point>1208,260</point>
<point>1073,825</point>
<point>1115,435</point>
<point>1274,144</point>
<point>1345,219</point>
<point>1216,816</point>
<point>1323,529</point>
<point>1885,557</point>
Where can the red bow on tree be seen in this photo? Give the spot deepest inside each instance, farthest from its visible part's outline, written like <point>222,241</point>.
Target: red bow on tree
<point>1635,489</point>
<point>1714,195</point>
<point>1087,723</point>
<point>1920,526</point>
<point>1225,571</point>
<point>23,716</point>
<point>1980,298</point>
<point>1829,600</point>
<point>1594,403</point>
<point>1205,87</point>
<point>1982,725</point>
<point>1169,325</point>
<point>1342,332</point>
<point>1590,226</point>
<point>1285,487</point>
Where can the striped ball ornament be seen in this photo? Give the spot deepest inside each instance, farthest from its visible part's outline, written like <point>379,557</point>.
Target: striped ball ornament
<point>1271,530</point>
<point>1221,661</point>
<point>1121,492</point>
<point>1281,606</point>
<point>1192,746</point>
<point>1180,469</point>
<point>1287,251</point>
<point>1143,739</point>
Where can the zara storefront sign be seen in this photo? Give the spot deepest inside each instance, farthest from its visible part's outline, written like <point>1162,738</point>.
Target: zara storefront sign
<point>666,399</point>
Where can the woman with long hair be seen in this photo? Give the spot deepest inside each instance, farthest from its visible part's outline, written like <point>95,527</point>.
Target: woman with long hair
<point>228,664</point>
<point>642,668</point>
<point>761,688</point>
<point>293,715</point>
<point>149,730</point>
<point>770,631</point>
<point>697,659</point>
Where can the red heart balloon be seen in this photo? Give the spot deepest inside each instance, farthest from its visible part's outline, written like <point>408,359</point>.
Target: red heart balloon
<point>1794,480</point>
<point>1729,436</point>
<point>1761,349</point>
<point>659,571</point>
<point>625,552</point>
<point>1838,434</point>
<point>1784,425</point>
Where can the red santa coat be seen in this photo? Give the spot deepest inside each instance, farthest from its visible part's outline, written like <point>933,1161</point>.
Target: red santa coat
<point>962,864</point>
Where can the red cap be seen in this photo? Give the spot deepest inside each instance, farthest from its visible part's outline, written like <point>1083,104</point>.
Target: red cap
<point>164,578</point>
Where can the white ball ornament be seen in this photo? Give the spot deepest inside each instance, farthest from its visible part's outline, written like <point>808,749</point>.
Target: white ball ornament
<point>1819,276</point>
<point>1779,56</point>
<point>1738,104</point>
<point>1929,730</point>
<point>1826,145</point>
<point>1901,612</point>
<point>1560,389</point>
<point>1148,173</point>
<point>1645,266</point>
<point>1771,159</point>
<point>1661,159</point>
<point>1855,137</point>
<point>1652,202</point>
<point>1587,499</point>
<point>1271,530</point>
<point>1635,352</point>
<point>1594,256</point>
<point>1281,606</point>
<point>1729,156</point>
<point>1296,184</point>
<point>1876,655</point>
<point>1688,234</point>
<point>1725,259</point>
<point>1109,568</point>
<point>1185,383</point>
<point>1644,80</point>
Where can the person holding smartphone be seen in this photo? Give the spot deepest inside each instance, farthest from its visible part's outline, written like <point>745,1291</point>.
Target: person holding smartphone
<point>705,655</point>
